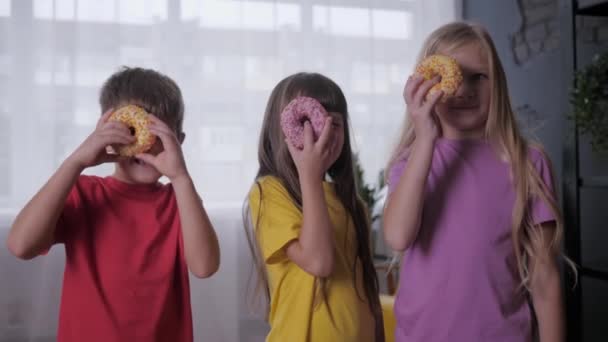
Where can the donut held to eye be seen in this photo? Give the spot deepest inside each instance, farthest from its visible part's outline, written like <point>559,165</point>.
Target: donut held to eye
<point>137,120</point>
<point>296,113</point>
<point>447,68</point>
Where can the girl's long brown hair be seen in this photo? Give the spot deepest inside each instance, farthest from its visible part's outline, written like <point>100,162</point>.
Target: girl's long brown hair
<point>275,160</point>
<point>502,131</point>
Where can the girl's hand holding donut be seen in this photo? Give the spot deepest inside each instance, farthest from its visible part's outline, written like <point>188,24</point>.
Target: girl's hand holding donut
<point>299,110</point>
<point>444,66</point>
<point>313,160</point>
<point>93,152</point>
<point>437,77</point>
<point>421,109</point>
<point>170,161</point>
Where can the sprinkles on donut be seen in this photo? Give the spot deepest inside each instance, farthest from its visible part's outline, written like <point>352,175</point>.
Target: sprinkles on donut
<point>298,111</point>
<point>136,119</point>
<point>447,68</point>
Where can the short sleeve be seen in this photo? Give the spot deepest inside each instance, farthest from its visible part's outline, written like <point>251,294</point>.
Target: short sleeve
<point>394,174</point>
<point>69,212</point>
<point>540,211</point>
<point>276,219</point>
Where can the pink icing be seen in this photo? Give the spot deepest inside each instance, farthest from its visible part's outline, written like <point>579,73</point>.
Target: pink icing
<point>294,115</point>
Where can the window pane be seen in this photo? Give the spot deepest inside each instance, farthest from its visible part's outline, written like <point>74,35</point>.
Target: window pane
<point>65,9</point>
<point>391,24</point>
<point>142,11</point>
<point>221,14</point>
<point>96,11</point>
<point>43,9</point>
<point>5,8</point>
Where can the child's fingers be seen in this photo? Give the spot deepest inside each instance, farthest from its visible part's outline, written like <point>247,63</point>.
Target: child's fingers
<point>165,137</point>
<point>163,131</point>
<point>292,149</point>
<point>309,138</point>
<point>435,97</point>
<point>168,140</point>
<point>154,118</point>
<point>158,125</point>
<point>117,131</point>
<point>325,133</point>
<point>424,89</point>
<point>104,117</point>
<point>412,84</point>
<point>158,122</point>
<point>162,128</point>
<point>115,125</point>
<point>113,139</point>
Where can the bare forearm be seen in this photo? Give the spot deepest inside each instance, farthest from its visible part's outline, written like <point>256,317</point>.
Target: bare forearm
<point>34,227</point>
<point>548,304</point>
<point>200,241</point>
<point>316,237</point>
<point>403,212</point>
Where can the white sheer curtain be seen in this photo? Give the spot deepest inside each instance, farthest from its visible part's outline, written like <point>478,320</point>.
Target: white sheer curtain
<point>226,55</point>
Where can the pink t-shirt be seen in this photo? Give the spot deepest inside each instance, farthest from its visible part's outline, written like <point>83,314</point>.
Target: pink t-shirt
<point>459,279</point>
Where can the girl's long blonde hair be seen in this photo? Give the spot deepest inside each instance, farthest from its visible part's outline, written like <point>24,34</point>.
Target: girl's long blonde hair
<point>275,160</point>
<point>502,131</point>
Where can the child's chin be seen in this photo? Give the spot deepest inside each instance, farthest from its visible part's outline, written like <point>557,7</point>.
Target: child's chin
<point>146,179</point>
<point>143,173</point>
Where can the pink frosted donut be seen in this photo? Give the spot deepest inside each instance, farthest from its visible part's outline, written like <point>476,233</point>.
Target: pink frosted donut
<point>298,111</point>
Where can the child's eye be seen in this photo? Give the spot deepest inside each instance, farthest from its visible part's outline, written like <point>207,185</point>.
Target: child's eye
<point>479,76</point>
<point>337,124</point>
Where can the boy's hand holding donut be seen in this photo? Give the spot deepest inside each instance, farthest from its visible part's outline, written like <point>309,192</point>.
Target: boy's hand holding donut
<point>93,152</point>
<point>170,161</point>
<point>313,160</point>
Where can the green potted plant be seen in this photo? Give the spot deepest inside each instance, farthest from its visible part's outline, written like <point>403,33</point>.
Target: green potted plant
<point>371,195</point>
<point>589,98</point>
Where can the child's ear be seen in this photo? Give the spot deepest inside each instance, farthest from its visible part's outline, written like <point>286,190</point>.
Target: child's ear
<point>181,137</point>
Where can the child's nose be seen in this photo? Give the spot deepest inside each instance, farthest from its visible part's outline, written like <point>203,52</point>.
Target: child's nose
<point>466,90</point>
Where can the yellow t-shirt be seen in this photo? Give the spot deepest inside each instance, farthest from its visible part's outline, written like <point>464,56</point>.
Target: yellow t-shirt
<point>293,317</point>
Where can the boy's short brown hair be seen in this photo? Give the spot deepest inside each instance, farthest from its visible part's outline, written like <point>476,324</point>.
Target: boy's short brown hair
<point>156,93</point>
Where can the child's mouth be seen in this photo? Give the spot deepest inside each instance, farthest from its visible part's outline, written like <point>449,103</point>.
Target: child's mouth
<point>139,162</point>
<point>463,107</point>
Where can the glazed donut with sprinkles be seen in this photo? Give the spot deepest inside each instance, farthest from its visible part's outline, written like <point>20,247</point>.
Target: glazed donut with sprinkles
<point>136,119</point>
<point>447,68</point>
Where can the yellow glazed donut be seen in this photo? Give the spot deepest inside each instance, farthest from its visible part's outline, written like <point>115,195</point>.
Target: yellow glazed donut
<point>447,68</point>
<point>137,120</point>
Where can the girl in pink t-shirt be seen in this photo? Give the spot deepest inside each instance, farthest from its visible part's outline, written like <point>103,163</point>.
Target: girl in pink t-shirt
<point>471,203</point>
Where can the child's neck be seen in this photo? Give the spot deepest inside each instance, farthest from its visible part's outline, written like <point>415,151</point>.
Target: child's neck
<point>125,178</point>
<point>129,181</point>
<point>454,134</point>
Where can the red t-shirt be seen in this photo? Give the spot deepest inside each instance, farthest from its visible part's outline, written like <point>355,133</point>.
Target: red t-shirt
<point>126,277</point>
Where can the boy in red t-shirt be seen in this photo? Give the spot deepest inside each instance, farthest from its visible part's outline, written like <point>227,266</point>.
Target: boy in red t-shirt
<point>129,239</point>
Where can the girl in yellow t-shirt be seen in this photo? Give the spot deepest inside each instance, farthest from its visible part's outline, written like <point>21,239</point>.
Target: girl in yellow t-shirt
<point>310,236</point>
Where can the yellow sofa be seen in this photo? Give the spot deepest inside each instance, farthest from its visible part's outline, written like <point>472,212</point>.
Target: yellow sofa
<point>387,302</point>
